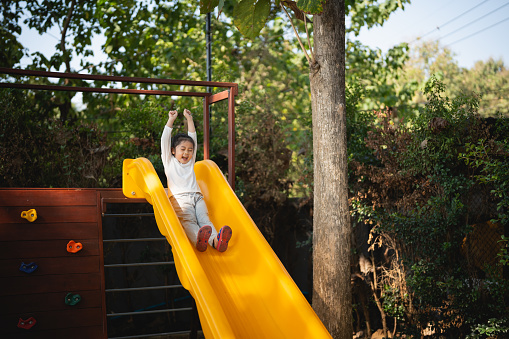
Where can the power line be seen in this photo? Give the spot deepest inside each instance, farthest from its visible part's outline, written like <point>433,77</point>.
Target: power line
<point>475,20</point>
<point>448,22</point>
<point>479,31</point>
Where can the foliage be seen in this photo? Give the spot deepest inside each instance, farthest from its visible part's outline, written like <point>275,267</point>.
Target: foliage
<point>493,328</point>
<point>491,159</point>
<point>381,77</point>
<point>420,194</point>
<point>39,152</point>
<point>263,156</point>
<point>487,80</point>
<point>504,251</point>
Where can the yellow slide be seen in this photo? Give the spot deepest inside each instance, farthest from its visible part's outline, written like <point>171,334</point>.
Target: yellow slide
<point>244,292</point>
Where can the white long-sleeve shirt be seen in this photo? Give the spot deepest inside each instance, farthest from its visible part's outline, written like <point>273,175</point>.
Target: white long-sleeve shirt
<point>181,177</point>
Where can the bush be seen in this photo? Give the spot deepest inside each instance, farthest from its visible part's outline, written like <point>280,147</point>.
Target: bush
<point>423,199</point>
<point>39,150</point>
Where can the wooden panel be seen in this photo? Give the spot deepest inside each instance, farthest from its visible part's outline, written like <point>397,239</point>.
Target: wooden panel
<point>54,214</point>
<point>50,283</point>
<point>46,249</point>
<point>53,320</point>
<point>49,266</point>
<point>77,333</point>
<point>35,231</point>
<point>62,215</point>
<point>47,197</point>
<point>21,304</point>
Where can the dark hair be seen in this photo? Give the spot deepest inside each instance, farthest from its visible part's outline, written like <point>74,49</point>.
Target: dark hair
<point>178,138</point>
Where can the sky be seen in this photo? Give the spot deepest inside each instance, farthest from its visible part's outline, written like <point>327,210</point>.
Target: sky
<point>473,29</point>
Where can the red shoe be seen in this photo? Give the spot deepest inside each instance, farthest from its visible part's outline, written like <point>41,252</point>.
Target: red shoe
<point>203,238</point>
<point>224,236</point>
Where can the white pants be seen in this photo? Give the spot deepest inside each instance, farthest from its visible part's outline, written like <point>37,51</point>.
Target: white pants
<point>193,214</point>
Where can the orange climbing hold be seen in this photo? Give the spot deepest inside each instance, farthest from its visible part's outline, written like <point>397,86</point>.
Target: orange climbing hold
<point>73,247</point>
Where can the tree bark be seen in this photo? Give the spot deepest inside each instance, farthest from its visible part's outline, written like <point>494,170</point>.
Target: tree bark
<point>331,236</point>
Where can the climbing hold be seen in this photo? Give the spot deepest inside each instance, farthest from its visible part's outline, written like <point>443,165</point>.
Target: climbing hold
<point>72,299</point>
<point>26,324</point>
<point>30,215</point>
<point>73,247</point>
<point>28,268</point>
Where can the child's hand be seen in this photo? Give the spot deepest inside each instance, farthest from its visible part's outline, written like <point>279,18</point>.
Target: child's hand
<point>172,115</point>
<point>188,114</point>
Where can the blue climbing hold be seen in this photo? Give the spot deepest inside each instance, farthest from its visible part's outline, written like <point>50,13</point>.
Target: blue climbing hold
<point>28,268</point>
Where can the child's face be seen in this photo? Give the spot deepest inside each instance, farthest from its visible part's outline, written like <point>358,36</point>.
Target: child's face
<point>184,152</point>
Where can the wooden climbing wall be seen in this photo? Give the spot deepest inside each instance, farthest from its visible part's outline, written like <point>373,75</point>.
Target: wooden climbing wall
<point>51,264</point>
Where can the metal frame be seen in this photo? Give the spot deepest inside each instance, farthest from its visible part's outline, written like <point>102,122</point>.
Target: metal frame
<point>115,196</point>
<point>231,90</point>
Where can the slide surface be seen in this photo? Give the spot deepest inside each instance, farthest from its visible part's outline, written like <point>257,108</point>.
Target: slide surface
<point>244,292</point>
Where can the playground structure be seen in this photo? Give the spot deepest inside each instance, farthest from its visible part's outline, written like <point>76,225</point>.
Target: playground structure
<point>242,293</point>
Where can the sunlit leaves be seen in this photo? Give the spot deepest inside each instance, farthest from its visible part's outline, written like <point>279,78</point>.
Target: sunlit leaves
<point>250,16</point>
<point>207,6</point>
<point>311,6</point>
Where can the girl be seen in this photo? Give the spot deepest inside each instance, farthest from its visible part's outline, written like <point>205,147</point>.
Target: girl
<point>179,155</point>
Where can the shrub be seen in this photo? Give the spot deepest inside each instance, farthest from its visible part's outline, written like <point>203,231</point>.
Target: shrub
<point>423,199</point>
<point>39,150</point>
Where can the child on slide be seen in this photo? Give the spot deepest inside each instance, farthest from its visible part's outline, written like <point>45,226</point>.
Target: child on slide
<point>178,154</point>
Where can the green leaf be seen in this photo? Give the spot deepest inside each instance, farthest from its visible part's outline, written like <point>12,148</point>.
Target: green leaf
<point>207,6</point>
<point>311,6</point>
<point>250,16</point>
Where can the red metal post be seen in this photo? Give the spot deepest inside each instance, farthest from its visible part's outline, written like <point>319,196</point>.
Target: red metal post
<point>231,137</point>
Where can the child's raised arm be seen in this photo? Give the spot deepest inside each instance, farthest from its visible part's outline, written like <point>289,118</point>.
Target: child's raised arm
<point>166,138</point>
<point>172,115</point>
<point>190,122</point>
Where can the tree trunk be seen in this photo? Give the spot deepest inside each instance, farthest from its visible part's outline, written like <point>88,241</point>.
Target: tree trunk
<point>331,236</point>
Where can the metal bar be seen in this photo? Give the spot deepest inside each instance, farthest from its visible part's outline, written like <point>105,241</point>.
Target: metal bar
<point>232,91</point>
<point>113,215</point>
<point>149,312</point>
<point>100,90</point>
<point>208,39</point>
<point>151,335</point>
<point>206,128</point>
<point>231,139</point>
<point>149,288</point>
<point>195,320</point>
<point>116,78</point>
<point>141,264</point>
<point>134,240</point>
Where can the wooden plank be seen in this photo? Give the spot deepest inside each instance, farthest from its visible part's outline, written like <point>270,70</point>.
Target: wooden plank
<point>53,320</point>
<point>36,231</point>
<point>45,214</point>
<point>49,266</point>
<point>49,284</point>
<point>46,249</point>
<point>77,333</point>
<point>48,197</point>
<point>22,304</point>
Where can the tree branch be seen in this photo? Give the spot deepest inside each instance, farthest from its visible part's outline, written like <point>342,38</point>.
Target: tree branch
<point>311,62</point>
<point>64,32</point>
<point>309,41</point>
